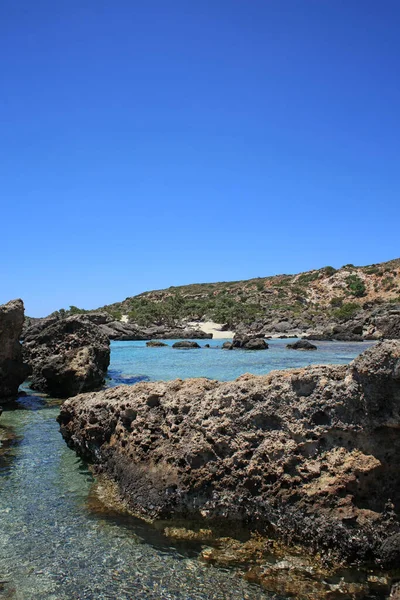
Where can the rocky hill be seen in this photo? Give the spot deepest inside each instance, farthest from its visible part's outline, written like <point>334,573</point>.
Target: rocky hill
<point>307,300</point>
<point>237,301</point>
<point>350,303</point>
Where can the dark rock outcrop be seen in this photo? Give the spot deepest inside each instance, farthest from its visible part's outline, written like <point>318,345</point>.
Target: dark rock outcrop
<point>117,330</point>
<point>33,326</point>
<point>68,357</point>
<point>301,345</point>
<point>387,323</point>
<point>255,344</point>
<point>155,344</point>
<point>185,344</point>
<point>12,369</point>
<point>249,343</point>
<point>312,453</point>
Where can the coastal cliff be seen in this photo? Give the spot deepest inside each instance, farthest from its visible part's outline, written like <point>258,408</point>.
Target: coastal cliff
<point>308,454</point>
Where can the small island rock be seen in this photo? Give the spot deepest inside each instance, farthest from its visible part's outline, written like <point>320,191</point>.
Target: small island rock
<point>301,345</point>
<point>185,344</point>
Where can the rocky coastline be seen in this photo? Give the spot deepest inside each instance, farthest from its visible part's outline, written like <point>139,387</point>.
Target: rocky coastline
<point>304,457</point>
<point>309,454</point>
<point>120,330</point>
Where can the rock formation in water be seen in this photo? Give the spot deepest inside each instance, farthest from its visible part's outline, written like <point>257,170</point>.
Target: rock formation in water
<point>312,453</point>
<point>247,343</point>
<point>67,357</point>
<point>186,345</point>
<point>301,345</point>
<point>12,370</point>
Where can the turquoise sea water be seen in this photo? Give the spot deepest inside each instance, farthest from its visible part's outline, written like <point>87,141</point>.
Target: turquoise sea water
<point>135,360</point>
<point>55,546</point>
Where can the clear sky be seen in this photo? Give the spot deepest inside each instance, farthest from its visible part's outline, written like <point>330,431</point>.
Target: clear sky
<point>152,143</point>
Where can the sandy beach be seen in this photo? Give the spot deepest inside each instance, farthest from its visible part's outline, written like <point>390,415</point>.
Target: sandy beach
<point>212,327</point>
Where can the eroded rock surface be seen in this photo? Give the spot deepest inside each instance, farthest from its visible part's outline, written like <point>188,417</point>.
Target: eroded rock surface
<point>12,370</point>
<point>312,453</point>
<point>68,357</point>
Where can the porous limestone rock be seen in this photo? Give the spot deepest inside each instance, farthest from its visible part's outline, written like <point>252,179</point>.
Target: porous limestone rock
<point>68,357</point>
<point>311,453</point>
<point>12,369</point>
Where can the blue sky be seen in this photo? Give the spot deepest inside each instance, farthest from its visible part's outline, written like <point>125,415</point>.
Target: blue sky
<point>149,144</point>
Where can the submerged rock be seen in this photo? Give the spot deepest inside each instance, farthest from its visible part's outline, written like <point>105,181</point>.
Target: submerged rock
<point>155,344</point>
<point>311,453</point>
<point>68,357</point>
<point>185,344</point>
<point>227,346</point>
<point>12,369</point>
<point>301,345</point>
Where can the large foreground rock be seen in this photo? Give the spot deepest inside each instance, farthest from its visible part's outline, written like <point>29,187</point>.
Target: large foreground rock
<point>12,370</point>
<point>312,453</point>
<point>68,357</point>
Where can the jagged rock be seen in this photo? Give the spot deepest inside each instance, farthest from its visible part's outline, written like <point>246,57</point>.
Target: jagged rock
<point>301,345</point>
<point>312,453</point>
<point>155,344</point>
<point>98,318</point>
<point>68,357</point>
<point>12,370</point>
<point>388,324</point>
<point>185,344</point>
<point>33,326</point>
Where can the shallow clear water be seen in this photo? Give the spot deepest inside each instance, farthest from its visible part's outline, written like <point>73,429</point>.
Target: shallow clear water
<point>54,546</point>
<point>135,360</point>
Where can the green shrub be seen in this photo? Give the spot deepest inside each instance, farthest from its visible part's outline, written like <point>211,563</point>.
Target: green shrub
<point>372,271</point>
<point>388,283</point>
<point>308,278</point>
<point>74,310</point>
<point>336,302</point>
<point>355,285</point>
<point>346,311</point>
<point>329,271</point>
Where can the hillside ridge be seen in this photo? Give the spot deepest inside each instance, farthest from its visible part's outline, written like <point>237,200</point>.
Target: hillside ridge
<point>244,301</point>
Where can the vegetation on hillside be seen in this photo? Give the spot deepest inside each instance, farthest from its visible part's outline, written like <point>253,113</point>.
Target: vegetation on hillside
<point>339,294</point>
